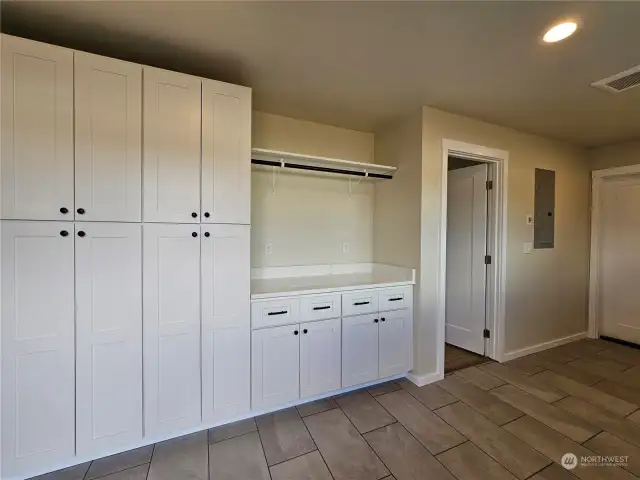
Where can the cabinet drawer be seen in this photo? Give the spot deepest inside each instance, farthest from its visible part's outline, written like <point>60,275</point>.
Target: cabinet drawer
<point>271,313</point>
<point>395,298</point>
<point>359,302</point>
<point>319,307</point>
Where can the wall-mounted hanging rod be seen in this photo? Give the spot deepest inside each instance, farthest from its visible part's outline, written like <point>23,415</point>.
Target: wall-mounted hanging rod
<point>314,168</point>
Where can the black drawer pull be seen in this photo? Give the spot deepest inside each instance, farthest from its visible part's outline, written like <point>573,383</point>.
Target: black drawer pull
<point>362,303</point>
<point>283,312</point>
<point>395,299</point>
<point>322,308</point>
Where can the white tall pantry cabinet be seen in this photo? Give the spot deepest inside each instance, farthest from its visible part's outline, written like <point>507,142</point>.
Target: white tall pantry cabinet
<point>125,255</point>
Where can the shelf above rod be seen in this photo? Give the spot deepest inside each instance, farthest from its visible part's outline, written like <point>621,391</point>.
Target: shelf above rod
<point>314,168</point>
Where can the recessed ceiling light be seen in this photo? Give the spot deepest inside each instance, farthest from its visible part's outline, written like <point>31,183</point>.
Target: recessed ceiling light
<point>560,31</point>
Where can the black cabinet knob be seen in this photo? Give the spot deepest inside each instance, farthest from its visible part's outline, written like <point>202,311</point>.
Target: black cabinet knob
<point>194,234</point>
<point>81,233</point>
<point>383,319</point>
<point>64,233</point>
<point>80,211</point>
<point>304,331</point>
<point>207,234</point>
<point>207,214</point>
<point>64,210</point>
<point>295,332</point>
<point>194,215</point>
<point>375,320</point>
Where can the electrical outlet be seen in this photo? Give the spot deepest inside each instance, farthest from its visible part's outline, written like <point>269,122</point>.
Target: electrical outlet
<point>268,248</point>
<point>527,247</point>
<point>345,247</point>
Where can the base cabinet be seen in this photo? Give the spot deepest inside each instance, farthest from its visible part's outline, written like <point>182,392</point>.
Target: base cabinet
<point>359,349</point>
<point>320,357</point>
<point>275,366</point>
<point>394,343</point>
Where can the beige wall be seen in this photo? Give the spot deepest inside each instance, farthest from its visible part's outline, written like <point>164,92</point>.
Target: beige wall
<point>309,217</point>
<point>619,155</point>
<point>546,291</point>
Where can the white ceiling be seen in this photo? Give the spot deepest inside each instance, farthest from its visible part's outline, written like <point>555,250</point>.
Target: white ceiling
<point>360,64</point>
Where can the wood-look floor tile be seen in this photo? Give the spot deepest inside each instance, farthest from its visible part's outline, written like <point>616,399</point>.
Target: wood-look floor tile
<point>346,453</point>
<point>135,473</point>
<point>510,452</point>
<point>431,396</point>
<point>479,378</point>
<point>630,377</point>
<point>554,445</point>
<point>554,472</point>
<point>284,436</point>
<point>468,462</point>
<point>491,407</point>
<point>569,371</point>
<point>427,427</point>
<point>600,366</point>
<point>528,384</point>
<point>239,458</point>
<point>620,353</point>
<point>573,427</point>
<point>527,365</point>
<point>121,461</point>
<point>364,412</point>
<point>609,445</point>
<point>590,346</point>
<point>625,392</point>
<point>591,395</point>
<point>635,417</point>
<point>606,420</point>
<point>382,388</point>
<point>404,456</point>
<point>77,472</point>
<point>230,430</point>
<point>561,354</point>
<point>306,467</point>
<point>182,457</point>
<point>311,408</point>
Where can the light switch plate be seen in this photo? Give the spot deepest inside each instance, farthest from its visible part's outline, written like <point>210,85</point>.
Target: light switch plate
<point>528,247</point>
<point>268,248</point>
<point>529,219</point>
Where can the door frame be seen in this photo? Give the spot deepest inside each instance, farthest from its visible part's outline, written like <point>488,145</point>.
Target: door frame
<point>597,179</point>
<point>496,244</point>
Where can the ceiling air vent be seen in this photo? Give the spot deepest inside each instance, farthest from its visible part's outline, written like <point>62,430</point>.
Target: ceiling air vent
<point>621,81</point>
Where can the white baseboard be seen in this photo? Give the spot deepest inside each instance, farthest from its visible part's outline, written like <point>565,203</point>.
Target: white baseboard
<point>422,380</point>
<point>543,346</point>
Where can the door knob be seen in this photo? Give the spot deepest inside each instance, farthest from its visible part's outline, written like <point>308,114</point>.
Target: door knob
<point>80,211</point>
<point>64,210</point>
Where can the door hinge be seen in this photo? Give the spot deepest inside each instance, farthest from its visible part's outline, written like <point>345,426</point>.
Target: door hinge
<point>486,333</point>
<point>489,184</point>
<point>487,259</point>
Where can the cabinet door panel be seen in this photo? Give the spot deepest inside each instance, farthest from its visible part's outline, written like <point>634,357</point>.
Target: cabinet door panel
<point>226,153</point>
<point>37,130</point>
<point>171,319</point>
<point>275,366</point>
<point>38,384</point>
<point>320,357</point>
<point>226,349</point>
<point>359,349</point>
<point>395,342</point>
<point>171,154</point>
<point>108,125</point>
<point>109,333</point>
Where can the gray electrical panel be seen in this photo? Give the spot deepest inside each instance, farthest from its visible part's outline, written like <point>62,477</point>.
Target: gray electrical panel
<point>545,209</point>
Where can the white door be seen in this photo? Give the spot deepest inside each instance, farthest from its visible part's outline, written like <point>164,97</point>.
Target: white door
<point>108,108</point>
<point>109,336</point>
<point>226,322</point>
<point>320,357</point>
<point>38,384</point>
<point>171,153</point>
<point>37,130</point>
<point>275,366</point>
<point>226,153</point>
<point>466,250</point>
<point>395,342</point>
<point>359,349</point>
<point>619,302</point>
<point>171,328</point>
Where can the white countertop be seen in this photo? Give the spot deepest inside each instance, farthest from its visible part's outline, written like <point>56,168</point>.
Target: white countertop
<point>283,281</point>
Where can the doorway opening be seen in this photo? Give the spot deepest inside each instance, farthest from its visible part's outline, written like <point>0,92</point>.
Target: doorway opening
<point>472,262</point>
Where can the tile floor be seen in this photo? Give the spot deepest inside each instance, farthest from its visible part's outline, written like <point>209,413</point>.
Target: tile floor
<point>457,358</point>
<point>510,421</point>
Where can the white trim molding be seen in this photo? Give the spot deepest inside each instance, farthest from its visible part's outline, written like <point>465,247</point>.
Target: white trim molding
<point>497,245</point>
<point>598,177</point>
<point>422,380</point>
<point>543,346</point>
